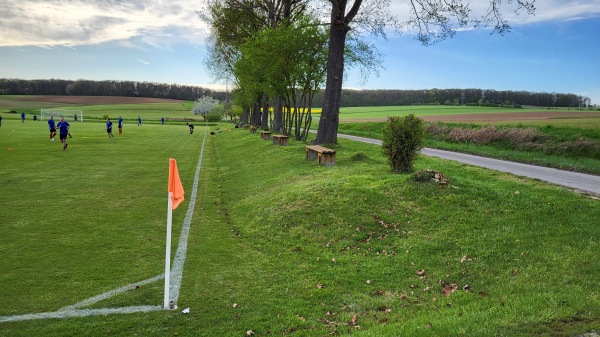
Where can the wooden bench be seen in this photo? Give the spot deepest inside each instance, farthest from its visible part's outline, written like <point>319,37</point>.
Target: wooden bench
<point>265,135</point>
<point>280,140</point>
<point>323,155</point>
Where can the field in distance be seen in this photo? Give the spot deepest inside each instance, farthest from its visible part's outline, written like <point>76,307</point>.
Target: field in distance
<point>155,108</point>
<point>459,114</point>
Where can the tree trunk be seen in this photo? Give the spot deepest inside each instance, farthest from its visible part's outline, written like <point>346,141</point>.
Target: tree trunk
<point>245,118</point>
<point>328,122</point>
<point>265,113</point>
<point>278,114</point>
<point>255,117</point>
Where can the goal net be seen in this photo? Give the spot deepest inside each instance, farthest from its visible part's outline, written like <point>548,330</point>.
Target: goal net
<point>69,115</point>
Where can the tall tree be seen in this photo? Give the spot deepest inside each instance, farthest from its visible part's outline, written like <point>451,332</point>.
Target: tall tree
<point>234,21</point>
<point>434,20</point>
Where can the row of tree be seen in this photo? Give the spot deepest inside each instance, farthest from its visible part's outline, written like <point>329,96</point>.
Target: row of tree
<point>279,52</point>
<point>458,97</point>
<point>349,98</point>
<point>9,86</point>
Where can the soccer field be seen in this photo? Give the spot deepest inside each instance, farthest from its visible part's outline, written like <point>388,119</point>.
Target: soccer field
<point>82,222</point>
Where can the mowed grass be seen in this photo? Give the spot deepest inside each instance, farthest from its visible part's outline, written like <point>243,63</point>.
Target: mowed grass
<point>417,110</point>
<point>280,246</point>
<point>87,220</point>
<point>148,111</point>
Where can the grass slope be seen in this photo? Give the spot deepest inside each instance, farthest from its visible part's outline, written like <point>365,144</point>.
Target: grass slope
<point>281,246</point>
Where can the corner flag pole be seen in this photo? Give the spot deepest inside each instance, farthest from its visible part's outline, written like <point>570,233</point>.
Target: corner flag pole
<point>175,197</point>
<point>168,253</point>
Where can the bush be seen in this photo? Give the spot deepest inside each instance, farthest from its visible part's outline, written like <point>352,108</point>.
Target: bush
<point>402,140</point>
<point>358,156</point>
<point>216,113</point>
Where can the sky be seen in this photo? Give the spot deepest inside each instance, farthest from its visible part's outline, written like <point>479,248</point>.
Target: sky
<point>164,41</point>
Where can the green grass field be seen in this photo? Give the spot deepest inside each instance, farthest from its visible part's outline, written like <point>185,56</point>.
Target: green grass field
<point>280,246</point>
<point>417,110</point>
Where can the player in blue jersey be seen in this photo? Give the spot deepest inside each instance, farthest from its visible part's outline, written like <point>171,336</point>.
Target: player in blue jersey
<point>52,127</point>
<point>120,125</point>
<point>109,128</point>
<point>22,117</point>
<point>139,121</point>
<point>63,128</point>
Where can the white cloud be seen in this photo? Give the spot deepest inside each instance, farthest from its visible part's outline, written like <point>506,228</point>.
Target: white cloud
<point>158,23</point>
<point>144,62</point>
<point>546,10</point>
<point>88,22</point>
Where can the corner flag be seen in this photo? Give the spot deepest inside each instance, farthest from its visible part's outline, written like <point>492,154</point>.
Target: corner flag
<point>175,183</point>
<point>175,197</point>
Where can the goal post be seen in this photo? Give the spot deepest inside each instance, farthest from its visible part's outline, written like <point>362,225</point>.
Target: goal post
<point>68,115</point>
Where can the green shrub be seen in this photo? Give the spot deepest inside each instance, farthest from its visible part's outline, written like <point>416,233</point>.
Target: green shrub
<point>216,113</point>
<point>358,156</point>
<point>402,140</point>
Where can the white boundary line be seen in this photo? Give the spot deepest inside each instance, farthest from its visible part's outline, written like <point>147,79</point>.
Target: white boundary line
<point>177,268</point>
<point>176,274</point>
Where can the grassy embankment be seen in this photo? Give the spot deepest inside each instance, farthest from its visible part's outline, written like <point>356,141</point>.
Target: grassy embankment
<point>565,143</point>
<point>281,246</point>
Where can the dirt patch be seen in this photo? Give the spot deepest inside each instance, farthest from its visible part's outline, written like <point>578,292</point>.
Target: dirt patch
<point>492,117</point>
<point>94,100</point>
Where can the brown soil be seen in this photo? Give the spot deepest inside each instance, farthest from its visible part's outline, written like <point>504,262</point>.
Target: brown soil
<point>493,117</point>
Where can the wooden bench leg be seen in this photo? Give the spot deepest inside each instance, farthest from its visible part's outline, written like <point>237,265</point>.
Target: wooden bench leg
<point>328,159</point>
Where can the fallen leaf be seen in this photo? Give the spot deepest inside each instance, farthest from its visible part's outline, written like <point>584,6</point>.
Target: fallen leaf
<point>421,272</point>
<point>320,286</point>
<point>234,305</point>
<point>249,333</point>
<point>448,289</point>
<point>354,320</point>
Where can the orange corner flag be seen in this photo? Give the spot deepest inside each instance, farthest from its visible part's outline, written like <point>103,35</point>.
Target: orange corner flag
<point>175,184</point>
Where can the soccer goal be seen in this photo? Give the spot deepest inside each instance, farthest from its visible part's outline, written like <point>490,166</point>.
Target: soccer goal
<point>69,115</point>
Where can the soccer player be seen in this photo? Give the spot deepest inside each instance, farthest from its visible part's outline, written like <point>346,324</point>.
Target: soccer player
<point>22,117</point>
<point>109,128</point>
<point>191,128</point>
<point>52,127</point>
<point>63,127</point>
<point>0,120</point>
<point>120,125</point>
<point>162,121</point>
<point>139,121</point>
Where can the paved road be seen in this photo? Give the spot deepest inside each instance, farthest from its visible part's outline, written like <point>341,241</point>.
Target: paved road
<point>585,183</point>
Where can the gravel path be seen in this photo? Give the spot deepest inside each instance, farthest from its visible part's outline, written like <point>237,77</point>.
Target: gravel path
<point>580,182</point>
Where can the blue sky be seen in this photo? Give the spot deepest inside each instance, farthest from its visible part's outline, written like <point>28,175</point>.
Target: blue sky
<point>557,50</point>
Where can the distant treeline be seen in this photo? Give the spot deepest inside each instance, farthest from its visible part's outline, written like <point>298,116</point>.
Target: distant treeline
<point>105,88</point>
<point>458,97</point>
<point>349,97</point>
